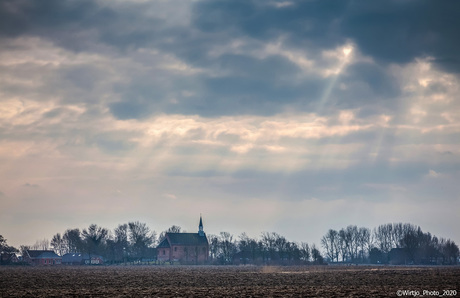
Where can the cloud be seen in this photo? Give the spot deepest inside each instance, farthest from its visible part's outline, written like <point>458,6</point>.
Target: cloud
<point>170,196</point>
<point>433,174</point>
<point>221,47</point>
<point>222,103</point>
<point>406,30</point>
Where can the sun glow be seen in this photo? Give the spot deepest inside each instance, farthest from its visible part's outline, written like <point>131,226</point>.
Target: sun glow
<point>347,51</point>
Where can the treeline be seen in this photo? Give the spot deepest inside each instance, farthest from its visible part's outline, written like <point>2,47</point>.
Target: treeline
<point>136,242</point>
<point>133,242</point>
<point>394,243</point>
<point>126,243</point>
<point>270,248</point>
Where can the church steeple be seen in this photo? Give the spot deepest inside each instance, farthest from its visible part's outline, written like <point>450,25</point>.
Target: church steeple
<point>200,227</point>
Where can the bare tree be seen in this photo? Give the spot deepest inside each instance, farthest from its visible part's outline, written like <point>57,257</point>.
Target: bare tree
<point>329,243</point>
<point>94,238</point>
<point>249,245</point>
<point>450,251</point>
<point>292,252</point>
<point>411,241</point>
<point>383,237</point>
<point>281,246</point>
<point>57,242</point>
<point>340,245</point>
<point>397,233</point>
<point>316,255</point>
<point>364,240</point>
<point>213,246</point>
<point>72,241</point>
<point>227,247</point>
<point>353,241</point>
<point>43,244</point>
<point>23,249</point>
<point>119,245</point>
<point>305,251</point>
<point>140,238</point>
<point>268,241</point>
<point>343,245</point>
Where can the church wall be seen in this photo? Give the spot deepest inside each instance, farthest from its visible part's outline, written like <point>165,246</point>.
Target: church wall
<point>189,254</point>
<point>163,254</point>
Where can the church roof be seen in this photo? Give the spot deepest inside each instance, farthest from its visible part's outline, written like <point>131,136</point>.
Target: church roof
<point>183,239</point>
<point>164,244</point>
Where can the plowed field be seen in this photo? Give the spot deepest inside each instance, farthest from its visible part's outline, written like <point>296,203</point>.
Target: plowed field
<point>209,281</point>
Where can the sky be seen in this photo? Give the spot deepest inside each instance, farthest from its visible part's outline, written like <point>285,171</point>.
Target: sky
<point>287,116</point>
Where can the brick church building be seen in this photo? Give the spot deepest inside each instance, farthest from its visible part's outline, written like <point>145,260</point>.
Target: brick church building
<point>186,248</point>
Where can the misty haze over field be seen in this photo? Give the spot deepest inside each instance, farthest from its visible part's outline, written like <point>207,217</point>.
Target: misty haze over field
<point>287,116</point>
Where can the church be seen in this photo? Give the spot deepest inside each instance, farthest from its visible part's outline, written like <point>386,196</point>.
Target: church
<point>186,248</point>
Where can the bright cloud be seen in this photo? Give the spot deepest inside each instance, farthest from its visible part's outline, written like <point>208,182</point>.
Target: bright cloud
<point>291,109</point>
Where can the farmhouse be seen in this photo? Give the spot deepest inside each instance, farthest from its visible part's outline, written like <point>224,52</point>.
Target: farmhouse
<point>187,248</point>
<point>42,257</point>
<point>8,258</point>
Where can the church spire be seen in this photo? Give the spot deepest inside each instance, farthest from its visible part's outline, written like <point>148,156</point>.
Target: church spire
<point>200,227</point>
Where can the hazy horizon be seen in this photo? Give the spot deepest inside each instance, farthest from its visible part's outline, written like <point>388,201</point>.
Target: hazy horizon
<point>288,116</point>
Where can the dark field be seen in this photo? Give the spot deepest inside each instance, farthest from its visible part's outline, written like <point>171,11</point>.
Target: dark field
<point>226,281</point>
